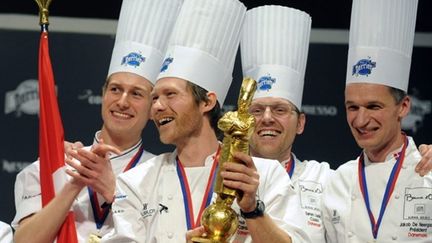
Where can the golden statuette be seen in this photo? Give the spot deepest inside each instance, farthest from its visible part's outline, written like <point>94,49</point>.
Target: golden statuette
<point>43,11</point>
<point>219,219</point>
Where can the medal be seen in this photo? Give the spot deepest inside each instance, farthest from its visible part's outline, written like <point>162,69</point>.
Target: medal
<point>94,238</point>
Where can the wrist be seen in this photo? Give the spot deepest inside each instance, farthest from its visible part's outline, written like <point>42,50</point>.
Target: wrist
<point>257,212</point>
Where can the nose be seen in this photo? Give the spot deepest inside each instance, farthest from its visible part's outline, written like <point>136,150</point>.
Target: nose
<point>157,105</point>
<point>361,118</point>
<point>123,102</point>
<point>267,116</point>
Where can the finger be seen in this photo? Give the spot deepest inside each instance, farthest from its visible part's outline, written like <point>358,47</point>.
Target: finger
<point>197,232</point>
<point>91,159</point>
<point>83,157</point>
<point>246,159</point>
<point>425,164</point>
<point>78,145</point>
<point>81,169</point>
<point>241,181</point>
<point>103,149</point>
<point>246,188</point>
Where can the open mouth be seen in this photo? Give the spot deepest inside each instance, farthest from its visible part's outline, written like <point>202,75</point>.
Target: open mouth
<point>121,115</point>
<point>165,121</point>
<point>268,133</point>
<point>364,131</point>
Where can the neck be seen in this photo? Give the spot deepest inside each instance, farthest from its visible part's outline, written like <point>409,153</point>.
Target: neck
<point>380,154</point>
<point>285,156</point>
<point>193,151</point>
<point>120,142</point>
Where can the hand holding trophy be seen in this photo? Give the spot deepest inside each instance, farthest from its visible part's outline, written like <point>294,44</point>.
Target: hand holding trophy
<point>219,219</point>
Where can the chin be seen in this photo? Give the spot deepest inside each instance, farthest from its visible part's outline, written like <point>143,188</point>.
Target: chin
<point>165,139</point>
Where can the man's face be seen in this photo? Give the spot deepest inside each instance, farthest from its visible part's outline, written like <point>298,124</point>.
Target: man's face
<point>277,124</point>
<point>126,104</point>
<point>174,111</point>
<point>373,115</point>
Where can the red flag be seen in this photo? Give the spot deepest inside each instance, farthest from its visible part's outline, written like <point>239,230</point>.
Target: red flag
<point>51,138</point>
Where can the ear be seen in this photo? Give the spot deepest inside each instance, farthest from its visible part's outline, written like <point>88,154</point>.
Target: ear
<point>211,103</point>
<point>301,123</point>
<point>405,107</point>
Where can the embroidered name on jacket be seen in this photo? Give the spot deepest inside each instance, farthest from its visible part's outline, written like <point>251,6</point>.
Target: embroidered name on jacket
<point>146,211</point>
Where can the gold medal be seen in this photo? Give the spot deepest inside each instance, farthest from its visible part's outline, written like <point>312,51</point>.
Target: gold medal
<point>94,238</point>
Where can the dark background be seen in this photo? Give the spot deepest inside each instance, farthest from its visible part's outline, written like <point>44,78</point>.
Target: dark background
<point>80,63</point>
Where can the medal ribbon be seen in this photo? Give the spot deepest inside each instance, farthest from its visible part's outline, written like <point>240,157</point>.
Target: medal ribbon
<point>100,213</point>
<point>290,165</point>
<point>187,197</point>
<point>388,191</point>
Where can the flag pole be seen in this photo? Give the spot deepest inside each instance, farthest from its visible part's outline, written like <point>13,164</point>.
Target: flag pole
<point>51,134</point>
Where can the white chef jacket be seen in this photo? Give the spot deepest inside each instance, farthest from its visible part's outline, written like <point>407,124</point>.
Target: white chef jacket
<point>28,198</point>
<point>6,235</point>
<point>149,203</point>
<point>309,179</point>
<point>408,216</point>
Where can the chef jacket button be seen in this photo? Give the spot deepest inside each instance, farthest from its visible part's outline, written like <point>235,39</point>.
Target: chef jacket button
<point>394,237</point>
<point>170,235</point>
<point>397,196</point>
<point>404,167</point>
<point>170,197</point>
<point>353,197</point>
<point>350,234</point>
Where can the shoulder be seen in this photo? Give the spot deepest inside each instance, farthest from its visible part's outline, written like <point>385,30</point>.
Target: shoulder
<point>317,166</point>
<point>144,171</point>
<point>30,170</point>
<point>348,167</point>
<point>263,164</point>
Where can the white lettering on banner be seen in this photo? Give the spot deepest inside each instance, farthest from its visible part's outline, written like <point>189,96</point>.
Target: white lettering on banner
<point>14,166</point>
<point>419,109</point>
<point>87,94</point>
<point>320,110</point>
<point>25,99</point>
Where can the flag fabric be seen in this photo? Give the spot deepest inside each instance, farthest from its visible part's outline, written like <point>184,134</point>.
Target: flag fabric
<point>51,138</point>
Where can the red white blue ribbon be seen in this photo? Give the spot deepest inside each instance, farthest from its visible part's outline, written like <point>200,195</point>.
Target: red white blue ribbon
<point>100,213</point>
<point>290,166</point>
<point>388,191</point>
<point>187,197</point>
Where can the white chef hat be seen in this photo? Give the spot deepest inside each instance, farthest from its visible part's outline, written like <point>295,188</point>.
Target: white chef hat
<point>204,44</point>
<point>274,50</point>
<point>142,36</point>
<point>381,42</point>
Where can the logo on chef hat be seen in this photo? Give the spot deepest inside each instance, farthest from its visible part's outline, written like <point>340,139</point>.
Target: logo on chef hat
<point>166,63</point>
<point>132,59</point>
<point>266,82</point>
<point>363,67</point>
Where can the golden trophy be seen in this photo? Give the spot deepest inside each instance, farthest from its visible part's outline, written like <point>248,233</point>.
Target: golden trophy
<point>219,219</point>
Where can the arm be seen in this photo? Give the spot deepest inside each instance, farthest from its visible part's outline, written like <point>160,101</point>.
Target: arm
<point>263,229</point>
<point>245,177</point>
<point>51,217</point>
